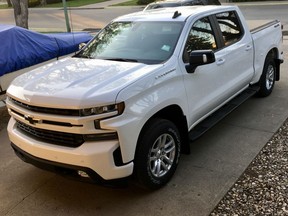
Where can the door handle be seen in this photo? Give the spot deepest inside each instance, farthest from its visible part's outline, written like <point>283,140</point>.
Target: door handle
<point>220,61</point>
<point>248,47</point>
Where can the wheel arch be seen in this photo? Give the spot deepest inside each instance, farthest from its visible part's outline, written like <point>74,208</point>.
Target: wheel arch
<point>174,114</point>
<point>266,83</point>
<point>274,54</point>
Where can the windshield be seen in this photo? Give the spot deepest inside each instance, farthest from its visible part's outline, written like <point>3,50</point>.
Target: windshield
<point>145,42</point>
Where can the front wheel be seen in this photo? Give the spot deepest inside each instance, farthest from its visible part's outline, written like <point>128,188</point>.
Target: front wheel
<point>267,79</point>
<point>157,154</point>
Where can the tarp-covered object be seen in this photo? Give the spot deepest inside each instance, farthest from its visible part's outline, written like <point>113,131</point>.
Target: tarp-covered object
<point>20,48</point>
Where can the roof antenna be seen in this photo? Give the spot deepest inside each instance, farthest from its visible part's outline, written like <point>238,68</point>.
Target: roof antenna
<point>176,14</point>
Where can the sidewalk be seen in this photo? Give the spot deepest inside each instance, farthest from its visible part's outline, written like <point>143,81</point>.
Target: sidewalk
<point>223,2</point>
<point>103,4</point>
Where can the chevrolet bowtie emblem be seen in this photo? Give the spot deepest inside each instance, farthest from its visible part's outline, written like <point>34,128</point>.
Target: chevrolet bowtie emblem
<point>31,119</point>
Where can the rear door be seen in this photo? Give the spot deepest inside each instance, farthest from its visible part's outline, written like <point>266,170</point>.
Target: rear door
<point>237,50</point>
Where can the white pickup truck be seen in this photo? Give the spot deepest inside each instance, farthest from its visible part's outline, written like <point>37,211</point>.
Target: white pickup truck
<point>131,100</point>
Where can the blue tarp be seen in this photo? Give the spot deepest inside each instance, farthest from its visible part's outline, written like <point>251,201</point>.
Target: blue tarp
<point>20,48</point>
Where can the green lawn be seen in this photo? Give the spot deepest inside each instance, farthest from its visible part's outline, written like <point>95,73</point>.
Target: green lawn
<point>127,3</point>
<point>3,6</point>
<point>75,3</point>
<point>70,3</point>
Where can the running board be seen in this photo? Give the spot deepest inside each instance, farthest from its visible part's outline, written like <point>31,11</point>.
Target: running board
<point>214,118</point>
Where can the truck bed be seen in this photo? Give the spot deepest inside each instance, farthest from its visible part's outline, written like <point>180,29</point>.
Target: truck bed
<point>264,32</point>
<point>257,25</point>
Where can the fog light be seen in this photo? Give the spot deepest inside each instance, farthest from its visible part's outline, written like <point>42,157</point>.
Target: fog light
<point>101,137</point>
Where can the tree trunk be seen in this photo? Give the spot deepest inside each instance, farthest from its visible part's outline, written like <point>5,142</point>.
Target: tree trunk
<point>20,12</point>
<point>9,3</point>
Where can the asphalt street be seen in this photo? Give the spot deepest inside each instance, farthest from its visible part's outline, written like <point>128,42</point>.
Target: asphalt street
<point>217,160</point>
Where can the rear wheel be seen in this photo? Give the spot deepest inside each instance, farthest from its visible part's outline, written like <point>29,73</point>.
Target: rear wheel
<point>267,79</point>
<point>157,154</point>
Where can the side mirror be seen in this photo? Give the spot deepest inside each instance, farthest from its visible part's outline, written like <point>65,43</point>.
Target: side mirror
<point>198,58</point>
<point>81,45</point>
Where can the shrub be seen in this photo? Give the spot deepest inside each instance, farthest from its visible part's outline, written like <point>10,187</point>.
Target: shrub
<point>33,3</point>
<point>144,2</point>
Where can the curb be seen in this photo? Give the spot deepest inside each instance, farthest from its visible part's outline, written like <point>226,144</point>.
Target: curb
<point>2,99</point>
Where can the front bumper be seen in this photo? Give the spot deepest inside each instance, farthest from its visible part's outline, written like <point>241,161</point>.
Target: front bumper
<point>94,158</point>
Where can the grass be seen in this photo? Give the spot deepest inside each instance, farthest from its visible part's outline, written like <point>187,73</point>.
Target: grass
<point>4,6</point>
<point>74,3</point>
<point>127,3</point>
<point>77,3</point>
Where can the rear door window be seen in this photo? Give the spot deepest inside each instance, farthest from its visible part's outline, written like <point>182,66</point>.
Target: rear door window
<point>230,27</point>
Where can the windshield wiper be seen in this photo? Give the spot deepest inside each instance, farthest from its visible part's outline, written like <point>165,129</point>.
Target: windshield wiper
<point>122,59</point>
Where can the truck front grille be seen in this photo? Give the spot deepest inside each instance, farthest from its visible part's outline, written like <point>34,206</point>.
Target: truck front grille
<point>53,137</point>
<point>55,111</point>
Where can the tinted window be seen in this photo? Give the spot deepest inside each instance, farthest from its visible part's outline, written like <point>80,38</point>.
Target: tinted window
<point>201,37</point>
<point>230,27</point>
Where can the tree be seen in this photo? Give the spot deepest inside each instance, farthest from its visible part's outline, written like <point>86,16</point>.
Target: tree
<point>9,3</point>
<point>20,12</point>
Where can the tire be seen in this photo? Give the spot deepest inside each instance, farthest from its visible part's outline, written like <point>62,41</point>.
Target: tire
<point>157,154</point>
<point>268,77</point>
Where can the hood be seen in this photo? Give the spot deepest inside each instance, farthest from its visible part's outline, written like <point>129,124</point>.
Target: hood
<point>76,83</point>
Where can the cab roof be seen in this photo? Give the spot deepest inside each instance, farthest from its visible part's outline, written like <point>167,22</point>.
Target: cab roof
<point>173,13</point>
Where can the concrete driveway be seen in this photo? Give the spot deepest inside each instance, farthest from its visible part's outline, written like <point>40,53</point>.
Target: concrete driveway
<point>218,158</point>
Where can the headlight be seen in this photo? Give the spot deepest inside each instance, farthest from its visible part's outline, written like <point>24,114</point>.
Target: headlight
<point>113,108</point>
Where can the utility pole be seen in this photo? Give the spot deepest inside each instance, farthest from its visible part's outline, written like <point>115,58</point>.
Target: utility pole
<point>66,16</point>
